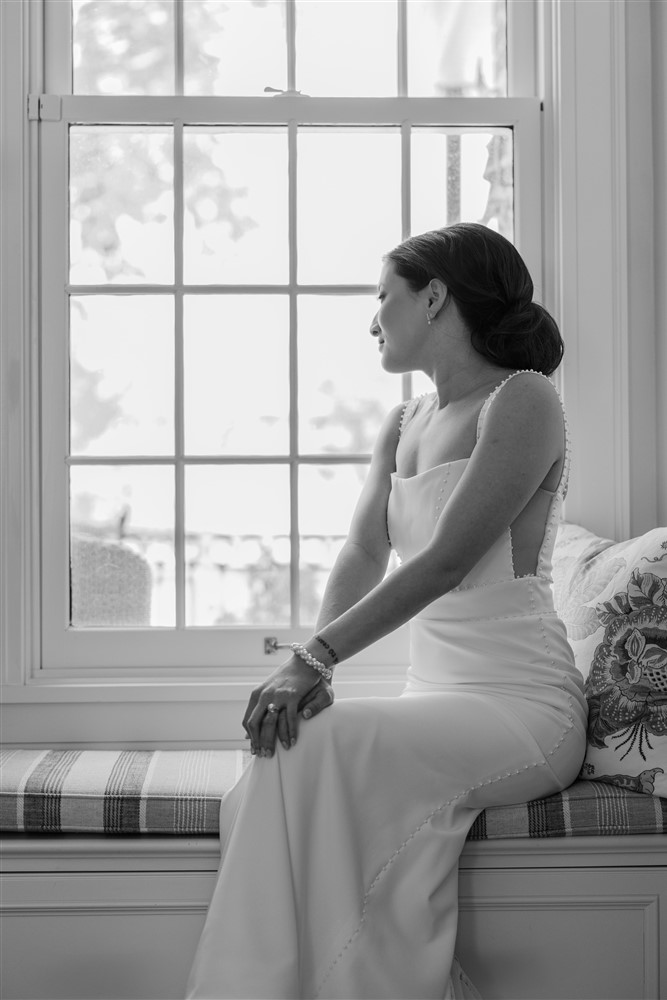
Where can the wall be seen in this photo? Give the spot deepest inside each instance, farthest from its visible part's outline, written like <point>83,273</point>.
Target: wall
<point>599,83</point>
<point>642,227</point>
<point>659,53</point>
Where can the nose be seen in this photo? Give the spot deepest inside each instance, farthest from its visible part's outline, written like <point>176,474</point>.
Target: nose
<point>375,327</point>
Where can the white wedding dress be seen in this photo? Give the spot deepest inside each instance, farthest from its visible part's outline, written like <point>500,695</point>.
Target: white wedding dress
<point>339,866</point>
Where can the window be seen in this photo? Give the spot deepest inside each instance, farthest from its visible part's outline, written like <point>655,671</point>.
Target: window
<point>596,134</point>
<point>210,391</point>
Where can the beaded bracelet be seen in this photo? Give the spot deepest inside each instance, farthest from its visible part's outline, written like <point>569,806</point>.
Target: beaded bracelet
<point>303,653</point>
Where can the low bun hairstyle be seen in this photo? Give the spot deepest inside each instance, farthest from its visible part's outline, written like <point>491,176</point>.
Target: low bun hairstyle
<point>487,278</point>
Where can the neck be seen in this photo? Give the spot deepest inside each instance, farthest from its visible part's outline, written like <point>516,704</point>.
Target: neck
<point>457,370</point>
<point>456,383</point>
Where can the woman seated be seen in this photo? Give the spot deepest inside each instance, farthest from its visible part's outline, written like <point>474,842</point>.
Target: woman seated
<point>340,843</point>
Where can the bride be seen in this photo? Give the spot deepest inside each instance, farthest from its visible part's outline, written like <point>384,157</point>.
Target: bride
<point>340,843</point>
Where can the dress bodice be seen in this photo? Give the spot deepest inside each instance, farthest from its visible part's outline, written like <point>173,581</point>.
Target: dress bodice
<point>417,502</point>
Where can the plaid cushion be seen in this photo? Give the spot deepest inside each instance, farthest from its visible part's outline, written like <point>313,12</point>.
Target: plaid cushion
<point>116,791</point>
<point>585,809</point>
<point>179,791</point>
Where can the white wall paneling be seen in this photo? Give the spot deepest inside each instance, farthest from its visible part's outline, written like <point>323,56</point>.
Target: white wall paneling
<point>658,27</point>
<point>586,231</point>
<point>104,916</point>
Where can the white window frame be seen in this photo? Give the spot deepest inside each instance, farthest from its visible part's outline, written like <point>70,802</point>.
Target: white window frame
<point>164,652</point>
<point>576,43</point>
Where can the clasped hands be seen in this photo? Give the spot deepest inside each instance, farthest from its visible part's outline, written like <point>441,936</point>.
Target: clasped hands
<point>291,692</point>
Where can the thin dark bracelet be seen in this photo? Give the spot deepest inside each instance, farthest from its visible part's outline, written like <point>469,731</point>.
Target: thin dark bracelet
<point>330,650</point>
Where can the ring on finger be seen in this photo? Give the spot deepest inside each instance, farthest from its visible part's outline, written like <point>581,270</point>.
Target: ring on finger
<point>273,709</point>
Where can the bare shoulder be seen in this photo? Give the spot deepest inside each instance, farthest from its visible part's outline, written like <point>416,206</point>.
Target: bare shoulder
<point>527,404</point>
<point>384,452</point>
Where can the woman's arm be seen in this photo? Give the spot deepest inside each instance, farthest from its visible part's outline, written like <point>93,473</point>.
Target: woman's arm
<point>360,566</point>
<point>362,562</point>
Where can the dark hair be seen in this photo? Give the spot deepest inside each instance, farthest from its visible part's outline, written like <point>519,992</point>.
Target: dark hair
<point>487,278</point>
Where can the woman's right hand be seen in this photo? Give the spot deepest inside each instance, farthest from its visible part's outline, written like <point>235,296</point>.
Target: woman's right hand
<point>293,691</point>
<point>319,698</point>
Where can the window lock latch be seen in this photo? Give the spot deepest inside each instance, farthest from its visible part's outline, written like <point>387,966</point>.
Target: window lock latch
<point>284,93</point>
<point>271,645</point>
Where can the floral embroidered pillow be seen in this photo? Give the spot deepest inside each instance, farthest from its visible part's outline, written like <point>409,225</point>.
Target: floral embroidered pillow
<point>613,600</point>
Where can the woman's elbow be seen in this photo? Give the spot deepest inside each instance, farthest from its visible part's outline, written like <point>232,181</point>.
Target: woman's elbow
<point>438,573</point>
<point>370,561</point>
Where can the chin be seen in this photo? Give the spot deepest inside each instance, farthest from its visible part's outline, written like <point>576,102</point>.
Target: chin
<point>392,366</point>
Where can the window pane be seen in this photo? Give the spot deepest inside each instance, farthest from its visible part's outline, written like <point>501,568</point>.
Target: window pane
<point>237,523</point>
<point>121,205</point>
<point>234,48</point>
<point>122,375</point>
<point>349,208</point>
<point>344,394</point>
<point>122,545</point>
<point>462,176</point>
<point>236,374</point>
<point>328,495</point>
<point>124,47</point>
<point>457,48</point>
<point>346,49</point>
<point>235,206</point>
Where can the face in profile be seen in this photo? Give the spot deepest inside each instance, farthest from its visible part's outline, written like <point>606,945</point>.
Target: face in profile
<point>398,324</point>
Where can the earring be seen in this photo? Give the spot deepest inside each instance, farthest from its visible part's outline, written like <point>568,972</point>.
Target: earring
<point>428,318</point>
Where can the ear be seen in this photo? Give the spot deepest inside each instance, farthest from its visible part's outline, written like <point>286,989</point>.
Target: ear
<point>436,296</point>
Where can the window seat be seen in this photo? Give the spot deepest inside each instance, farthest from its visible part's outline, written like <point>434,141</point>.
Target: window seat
<point>110,857</point>
<point>178,792</point>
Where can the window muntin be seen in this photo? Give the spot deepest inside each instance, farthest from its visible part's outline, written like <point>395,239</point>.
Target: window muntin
<point>330,455</point>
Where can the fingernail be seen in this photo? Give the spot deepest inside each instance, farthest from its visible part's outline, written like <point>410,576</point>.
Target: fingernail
<point>253,751</point>
<point>285,744</point>
<point>268,753</point>
<point>307,713</point>
<point>292,742</point>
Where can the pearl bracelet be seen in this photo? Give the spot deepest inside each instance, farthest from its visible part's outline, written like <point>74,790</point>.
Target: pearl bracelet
<point>303,653</point>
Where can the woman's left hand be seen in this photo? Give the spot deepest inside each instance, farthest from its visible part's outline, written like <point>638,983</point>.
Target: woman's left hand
<point>274,706</point>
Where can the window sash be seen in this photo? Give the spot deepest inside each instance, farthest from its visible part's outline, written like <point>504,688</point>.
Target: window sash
<point>158,649</point>
<point>163,652</point>
<point>521,29</point>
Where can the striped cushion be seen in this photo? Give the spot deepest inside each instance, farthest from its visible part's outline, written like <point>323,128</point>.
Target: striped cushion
<point>585,809</point>
<point>116,791</point>
<point>179,791</point>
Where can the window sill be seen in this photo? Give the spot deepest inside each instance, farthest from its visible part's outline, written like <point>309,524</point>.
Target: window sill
<point>151,713</point>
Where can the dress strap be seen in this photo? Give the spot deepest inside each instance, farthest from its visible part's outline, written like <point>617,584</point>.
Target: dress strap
<point>409,409</point>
